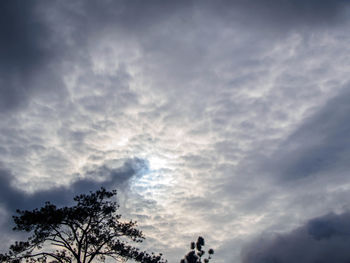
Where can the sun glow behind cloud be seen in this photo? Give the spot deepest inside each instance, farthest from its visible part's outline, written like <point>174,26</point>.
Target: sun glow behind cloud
<point>158,176</point>
<point>157,163</point>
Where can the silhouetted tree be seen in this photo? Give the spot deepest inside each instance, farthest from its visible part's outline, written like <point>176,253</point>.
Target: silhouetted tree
<point>90,231</point>
<point>196,253</point>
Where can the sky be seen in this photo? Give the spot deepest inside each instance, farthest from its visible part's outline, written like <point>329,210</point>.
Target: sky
<point>225,119</point>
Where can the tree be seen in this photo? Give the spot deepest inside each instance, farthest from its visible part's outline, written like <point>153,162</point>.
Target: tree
<point>196,253</point>
<point>90,231</point>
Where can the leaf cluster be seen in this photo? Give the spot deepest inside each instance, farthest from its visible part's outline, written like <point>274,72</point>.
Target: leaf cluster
<point>196,253</point>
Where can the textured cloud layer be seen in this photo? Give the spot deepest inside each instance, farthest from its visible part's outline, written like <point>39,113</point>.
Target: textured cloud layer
<point>234,112</point>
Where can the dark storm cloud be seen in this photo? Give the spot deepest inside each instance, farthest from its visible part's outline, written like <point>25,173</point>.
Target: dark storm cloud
<point>138,14</point>
<point>285,14</point>
<point>134,14</point>
<point>25,54</point>
<point>21,33</point>
<point>320,145</point>
<point>13,198</point>
<point>324,239</point>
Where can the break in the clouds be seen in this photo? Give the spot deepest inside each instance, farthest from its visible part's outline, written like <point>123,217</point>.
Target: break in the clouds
<point>224,119</point>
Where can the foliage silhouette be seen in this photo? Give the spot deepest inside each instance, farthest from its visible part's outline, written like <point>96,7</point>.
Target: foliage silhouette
<point>90,231</point>
<point>196,253</point>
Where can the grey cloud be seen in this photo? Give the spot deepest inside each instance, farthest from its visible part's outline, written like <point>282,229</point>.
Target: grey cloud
<point>145,21</point>
<point>323,239</point>
<point>21,33</point>
<point>304,175</point>
<point>11,197</point>
<point>26,52</point>
<point>115,92</point>
<point>320,145</point>
<point>91,19</point>
<point>140,15</point>
<point>33,46</point>
<point>283,15</point>
<point>135,14</point>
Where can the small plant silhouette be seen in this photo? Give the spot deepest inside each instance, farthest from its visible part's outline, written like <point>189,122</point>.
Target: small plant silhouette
<point>196,253</point>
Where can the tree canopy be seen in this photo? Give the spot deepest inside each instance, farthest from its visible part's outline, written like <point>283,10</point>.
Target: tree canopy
<point>89,231</point>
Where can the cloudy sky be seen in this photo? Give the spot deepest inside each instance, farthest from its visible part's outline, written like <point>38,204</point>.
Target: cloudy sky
<point>227,119</point>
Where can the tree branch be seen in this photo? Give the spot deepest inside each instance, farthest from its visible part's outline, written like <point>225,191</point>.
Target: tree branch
<point>66,243</point>
<point>46,254</point>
